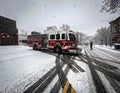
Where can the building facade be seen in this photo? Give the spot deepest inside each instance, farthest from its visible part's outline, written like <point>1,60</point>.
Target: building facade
<point>115,29</point>
<point>8,31</point>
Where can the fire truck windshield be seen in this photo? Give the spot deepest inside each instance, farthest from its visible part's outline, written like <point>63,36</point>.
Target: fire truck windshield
<point>72,36</point>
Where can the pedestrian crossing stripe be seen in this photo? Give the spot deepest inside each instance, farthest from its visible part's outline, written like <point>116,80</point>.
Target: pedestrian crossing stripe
<point>66,88</point>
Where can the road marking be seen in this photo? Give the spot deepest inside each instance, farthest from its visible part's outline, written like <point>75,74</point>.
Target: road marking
<point>68,87</point>
<point>72,90</point>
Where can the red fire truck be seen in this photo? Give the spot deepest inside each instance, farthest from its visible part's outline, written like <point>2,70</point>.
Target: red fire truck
<point>58,41</point>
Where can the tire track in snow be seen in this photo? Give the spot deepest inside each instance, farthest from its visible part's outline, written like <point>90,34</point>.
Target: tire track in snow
<point>111,77</point>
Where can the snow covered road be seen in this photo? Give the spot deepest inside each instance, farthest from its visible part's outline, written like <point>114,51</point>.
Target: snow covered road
<point>20,67</point>
<point>106,63</point>
<point>93,71</point>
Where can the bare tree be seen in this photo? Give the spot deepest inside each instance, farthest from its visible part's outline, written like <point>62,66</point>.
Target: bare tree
<point>111,6</point>
<point>102,36</point>
<point>65,27</point>
<point>53,28</point>
<point>50,29</point>
<point>88,38</point>
<point>82,38</point>
<point>96,39</point>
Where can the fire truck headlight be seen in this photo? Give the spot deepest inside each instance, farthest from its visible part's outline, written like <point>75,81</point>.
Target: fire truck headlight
<point>73,45</point>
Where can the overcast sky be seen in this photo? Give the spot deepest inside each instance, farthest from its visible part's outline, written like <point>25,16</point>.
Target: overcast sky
<point>35,15</point>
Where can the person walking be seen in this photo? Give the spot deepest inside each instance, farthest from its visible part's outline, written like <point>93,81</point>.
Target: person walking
<point>91,45</point>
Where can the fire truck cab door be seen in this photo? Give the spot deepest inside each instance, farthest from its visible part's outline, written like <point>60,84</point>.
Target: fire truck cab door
<point>44,40</point>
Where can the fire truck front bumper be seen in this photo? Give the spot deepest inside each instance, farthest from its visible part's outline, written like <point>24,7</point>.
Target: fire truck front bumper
<point>77,50</point>
<point>72,50</point>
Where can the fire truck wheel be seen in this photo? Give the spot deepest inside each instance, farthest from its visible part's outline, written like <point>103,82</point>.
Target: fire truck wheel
<point>58,50</point>
<point>35,47</point>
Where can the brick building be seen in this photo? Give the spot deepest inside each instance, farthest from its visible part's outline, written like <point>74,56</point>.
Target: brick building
<point>115,29</point>
<point>8,31</point>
